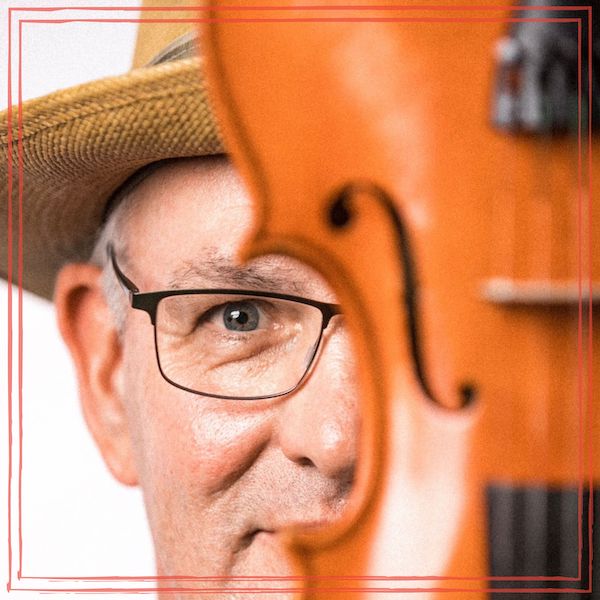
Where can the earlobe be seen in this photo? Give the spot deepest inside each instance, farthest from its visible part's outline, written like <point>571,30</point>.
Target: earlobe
<point>87,327</point>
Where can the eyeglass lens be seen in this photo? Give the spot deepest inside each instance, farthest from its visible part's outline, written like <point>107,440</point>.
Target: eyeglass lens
<point>236,346</point>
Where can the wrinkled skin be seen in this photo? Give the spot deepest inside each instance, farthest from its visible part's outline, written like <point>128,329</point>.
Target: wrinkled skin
<point>220,478</point>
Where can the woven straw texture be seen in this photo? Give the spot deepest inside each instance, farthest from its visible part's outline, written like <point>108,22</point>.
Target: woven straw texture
<point>80,144</point>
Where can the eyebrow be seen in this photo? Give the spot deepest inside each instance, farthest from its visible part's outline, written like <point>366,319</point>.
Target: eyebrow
<point>218,270</point>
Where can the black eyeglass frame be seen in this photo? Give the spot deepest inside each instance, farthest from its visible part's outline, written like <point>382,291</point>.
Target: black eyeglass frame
<point>148,302</point>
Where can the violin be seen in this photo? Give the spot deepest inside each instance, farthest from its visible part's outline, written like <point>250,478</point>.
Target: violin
<point>435,165</point>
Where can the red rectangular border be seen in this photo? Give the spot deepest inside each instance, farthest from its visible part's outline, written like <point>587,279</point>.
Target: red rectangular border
<point>588,9</point>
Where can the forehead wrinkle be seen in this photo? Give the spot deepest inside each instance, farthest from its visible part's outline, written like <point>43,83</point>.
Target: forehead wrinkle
<point>217,269</point>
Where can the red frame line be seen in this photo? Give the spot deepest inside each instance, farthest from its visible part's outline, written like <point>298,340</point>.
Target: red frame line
<point>20,295</point>
<point>353,7</point>
<point>528,578</point>
<point>20,249</point>
<point>256,590</point>
<point>312,20</point>
<point>9,328</point>
<point>314,589</point>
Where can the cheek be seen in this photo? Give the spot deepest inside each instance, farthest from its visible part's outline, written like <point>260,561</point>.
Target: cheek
<point>226,444</point>
<point>197,444</point>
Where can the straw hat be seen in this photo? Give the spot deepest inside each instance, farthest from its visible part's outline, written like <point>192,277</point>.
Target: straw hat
<point>83,143</point>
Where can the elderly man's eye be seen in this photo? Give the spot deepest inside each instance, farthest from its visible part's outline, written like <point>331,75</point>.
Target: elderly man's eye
<point>241,316</point>
<point>235,346</point>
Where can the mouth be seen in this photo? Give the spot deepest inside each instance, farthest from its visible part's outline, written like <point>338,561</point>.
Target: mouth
<point>300,526</point>
<point>265,533</point>
<point>262,552</point>
<point>251,536</point>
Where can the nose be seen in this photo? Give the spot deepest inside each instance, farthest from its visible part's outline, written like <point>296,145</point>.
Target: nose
<point>319,423</point>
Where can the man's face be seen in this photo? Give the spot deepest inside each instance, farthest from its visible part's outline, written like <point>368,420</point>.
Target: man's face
<point>222,477</point>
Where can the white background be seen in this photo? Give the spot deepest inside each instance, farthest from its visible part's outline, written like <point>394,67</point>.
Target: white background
<point>76,520</point>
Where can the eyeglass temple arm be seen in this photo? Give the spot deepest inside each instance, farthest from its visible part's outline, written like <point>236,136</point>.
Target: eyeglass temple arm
<point>329,311</point>
<point>128,286</point>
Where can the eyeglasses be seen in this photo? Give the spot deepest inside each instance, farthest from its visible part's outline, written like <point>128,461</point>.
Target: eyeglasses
<point>232,344</point>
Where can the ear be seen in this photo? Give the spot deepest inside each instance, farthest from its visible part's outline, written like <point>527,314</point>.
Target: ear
<point>88,329</point>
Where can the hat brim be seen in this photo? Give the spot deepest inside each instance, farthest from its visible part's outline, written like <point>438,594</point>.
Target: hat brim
<point>80,144</point>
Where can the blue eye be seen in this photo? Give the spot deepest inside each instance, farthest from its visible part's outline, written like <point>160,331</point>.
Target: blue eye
<point>240,316</point>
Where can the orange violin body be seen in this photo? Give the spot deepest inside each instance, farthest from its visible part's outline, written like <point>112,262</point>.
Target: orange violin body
<point>463,257</point>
